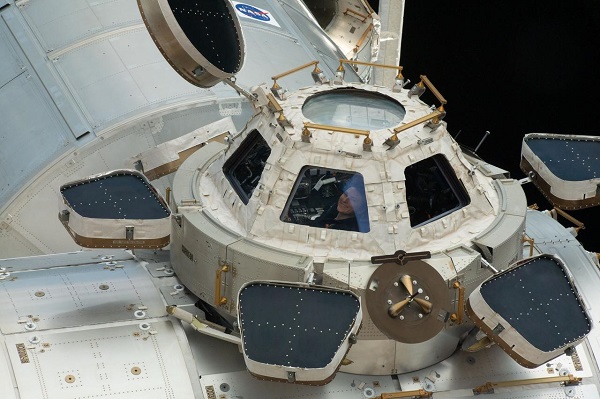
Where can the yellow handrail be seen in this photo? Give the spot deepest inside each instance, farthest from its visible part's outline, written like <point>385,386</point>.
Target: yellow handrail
<point>350,11</point>
<point>435,91</point>
<point>310,125</point>
<point>220,300</point>
<point>281,75</point>
<point>425,118</point>
<point>363,37</point>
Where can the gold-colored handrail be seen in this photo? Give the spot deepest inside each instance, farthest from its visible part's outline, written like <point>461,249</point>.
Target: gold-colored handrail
<point>488,387</point>
<point>371,64</point>
<point>419,393</point>
<point>398,67</point>
<point>571,219</point>
<point>220,300</point>
<point>425,118</point>
<point>273,103</point>
<point>294,70</point>
<point>433,89</point>
<point>348,130</point>
<point>458,316</point>
<point>531,242</point>
<point>350,11</point>
<point>363,37</point>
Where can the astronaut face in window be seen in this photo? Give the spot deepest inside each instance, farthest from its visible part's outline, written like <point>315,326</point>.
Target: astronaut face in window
<point>349,200</point>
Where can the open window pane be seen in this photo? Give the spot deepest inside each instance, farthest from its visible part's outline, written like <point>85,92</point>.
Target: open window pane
<point>328,198</point>
<point>245,166</point>
<point>433,190</point>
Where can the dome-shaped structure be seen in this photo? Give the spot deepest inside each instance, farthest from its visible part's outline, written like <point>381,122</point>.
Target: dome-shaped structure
<point>319,183</point>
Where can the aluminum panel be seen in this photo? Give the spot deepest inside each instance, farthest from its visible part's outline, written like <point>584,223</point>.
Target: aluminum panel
<point>290,54</point>
<point>117,362</point>
<point>580,392</point>
<point>10,64</point>
<point>78,295</point>
<point>59,23</point>
<point>7,390</point>
<point>68,259</point>
<point>344,386</point>
<point>466,370</point>
<point>118,75</point>
<point>42,134</point>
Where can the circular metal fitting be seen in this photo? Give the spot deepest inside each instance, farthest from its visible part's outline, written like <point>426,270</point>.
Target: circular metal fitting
<point>139,314</point>
<point>178,287</point>
<point>144,326</point>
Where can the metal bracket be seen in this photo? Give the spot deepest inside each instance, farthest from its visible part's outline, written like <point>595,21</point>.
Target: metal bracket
<point>401,257</point>
<point>129,233</point>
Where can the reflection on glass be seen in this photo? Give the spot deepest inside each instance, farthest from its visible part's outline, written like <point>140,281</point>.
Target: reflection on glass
<point>245,166</point>
<point>433,190</point>
<point>328,198</point>
<point>354,108</point>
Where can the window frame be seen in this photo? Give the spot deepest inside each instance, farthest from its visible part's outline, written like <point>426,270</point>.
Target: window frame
<point>454,183</point>
<point>364,218</point>
<point>239,156</point>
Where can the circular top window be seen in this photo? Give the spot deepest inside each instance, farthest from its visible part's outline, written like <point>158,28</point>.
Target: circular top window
<point>354,108</point>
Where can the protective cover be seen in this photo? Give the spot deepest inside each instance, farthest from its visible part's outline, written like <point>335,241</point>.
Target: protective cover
<point>202,40</point>
<point>295,332</point>
<point>565,168</point>
<point>532,310</point>
<point>118,209</point>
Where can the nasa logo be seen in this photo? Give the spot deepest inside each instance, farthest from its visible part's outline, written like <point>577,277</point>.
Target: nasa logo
<point>253,12</point>
<point>244,10</point>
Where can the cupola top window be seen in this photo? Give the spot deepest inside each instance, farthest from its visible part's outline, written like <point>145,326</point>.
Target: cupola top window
<point>354,108</point>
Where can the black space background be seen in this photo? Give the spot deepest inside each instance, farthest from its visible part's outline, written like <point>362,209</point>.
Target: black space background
<point>511,68</point>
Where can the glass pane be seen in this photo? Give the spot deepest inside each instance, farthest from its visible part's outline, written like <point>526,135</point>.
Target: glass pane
<point>328,198</point>
<point>354,108</point>
<point>245,166</point>
<point>433,190</point>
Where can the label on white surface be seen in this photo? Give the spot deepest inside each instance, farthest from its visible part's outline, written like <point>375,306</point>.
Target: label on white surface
<point>258,14</point>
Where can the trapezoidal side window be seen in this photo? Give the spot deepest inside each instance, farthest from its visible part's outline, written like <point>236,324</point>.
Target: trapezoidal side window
<point>328,198</point>
<point>245,166</point>
<point>433,190</point>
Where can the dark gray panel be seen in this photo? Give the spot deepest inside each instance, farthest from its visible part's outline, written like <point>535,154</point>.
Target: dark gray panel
<point>295,326</point>
<point>569,158</point>
<point>539,302</point>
